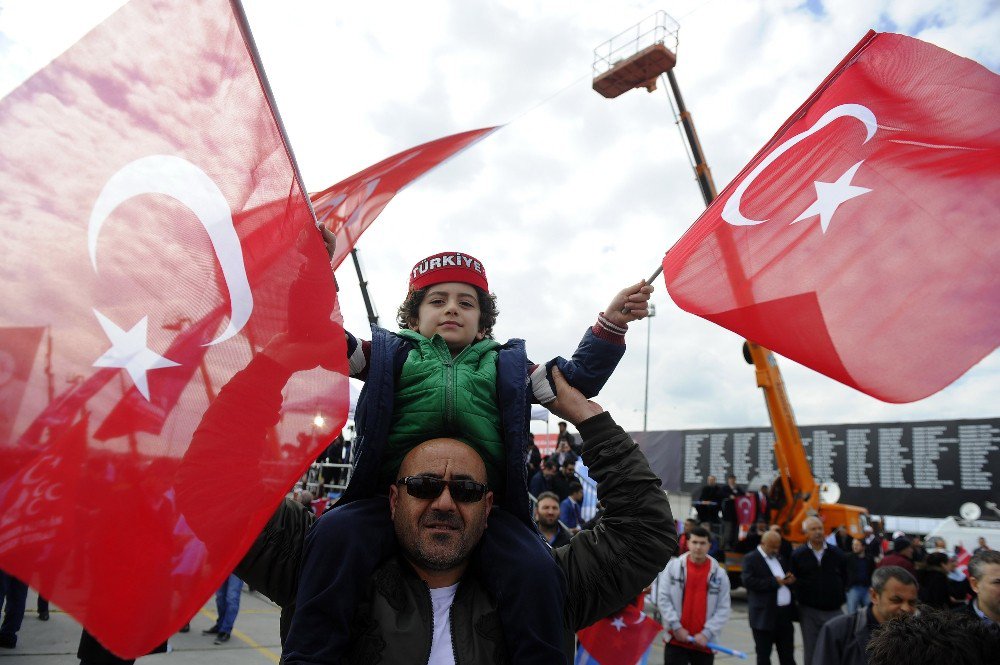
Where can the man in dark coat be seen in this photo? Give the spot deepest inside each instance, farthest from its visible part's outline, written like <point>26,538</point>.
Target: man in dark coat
<point>984,576</point>
<point>770,605</point>
<point>843,640</point>
<point>820,572</point>
<point>544,479</point>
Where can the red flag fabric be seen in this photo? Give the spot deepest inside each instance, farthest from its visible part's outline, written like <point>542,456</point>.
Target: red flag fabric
<point>134,412</point>
<point>620,639</point>
<point>745,508</point>
<point>350,206</point>
<point>145,183</point>
<point>861,241</point>
<point>18,347</point>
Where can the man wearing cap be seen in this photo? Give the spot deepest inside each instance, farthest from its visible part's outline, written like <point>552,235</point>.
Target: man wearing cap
<point>901,555</point>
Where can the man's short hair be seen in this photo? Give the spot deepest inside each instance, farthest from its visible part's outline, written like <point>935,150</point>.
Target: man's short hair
<point>933,637</point>
<point>979,561</point>
<point>882,575</point>
<point>701,533</point>
<point>550,463</point>
<point>575,487</point>
<point>810,519</point>
<point>547,495</point>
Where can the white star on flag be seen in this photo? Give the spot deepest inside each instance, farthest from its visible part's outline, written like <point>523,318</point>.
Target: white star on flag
<point>130,352</point>
<point>829,196</point>
<point>618,624</point>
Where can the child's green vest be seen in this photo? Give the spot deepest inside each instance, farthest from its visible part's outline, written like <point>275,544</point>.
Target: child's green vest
<point>441,396</point>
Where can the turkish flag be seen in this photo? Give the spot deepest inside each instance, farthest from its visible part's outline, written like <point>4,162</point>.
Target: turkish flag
<point>620,639</point>
<point>862,241</point>
<point>745,505</point>
<point>18,347</point>
<point>153,216</point>
<point>350,206</point>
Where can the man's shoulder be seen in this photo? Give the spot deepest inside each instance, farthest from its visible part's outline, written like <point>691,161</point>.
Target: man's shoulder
<point>840,627</point>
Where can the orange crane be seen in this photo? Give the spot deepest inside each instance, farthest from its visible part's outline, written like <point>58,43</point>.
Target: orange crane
<point>624,63</point>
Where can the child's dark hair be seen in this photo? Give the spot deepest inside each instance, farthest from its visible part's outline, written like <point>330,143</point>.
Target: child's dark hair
<point>488,312</point>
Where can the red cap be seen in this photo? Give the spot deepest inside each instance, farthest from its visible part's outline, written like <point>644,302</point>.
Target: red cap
<point>448,267</point>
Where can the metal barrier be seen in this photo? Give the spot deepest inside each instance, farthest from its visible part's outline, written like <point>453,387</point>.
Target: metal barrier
<point>314,474</point>
<point>660,28</point>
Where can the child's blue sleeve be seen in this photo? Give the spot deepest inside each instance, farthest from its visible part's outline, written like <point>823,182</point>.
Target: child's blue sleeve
<point>592,364</point>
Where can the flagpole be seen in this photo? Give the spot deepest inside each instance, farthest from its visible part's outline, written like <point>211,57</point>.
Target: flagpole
<point>258,65</point>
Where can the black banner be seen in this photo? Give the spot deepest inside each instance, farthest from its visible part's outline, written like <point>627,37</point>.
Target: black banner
<point>924,469</point>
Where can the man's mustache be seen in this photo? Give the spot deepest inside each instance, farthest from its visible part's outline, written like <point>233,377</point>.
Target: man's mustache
<point>442,518</point>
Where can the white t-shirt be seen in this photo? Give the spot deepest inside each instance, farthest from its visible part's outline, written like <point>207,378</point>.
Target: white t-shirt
<point>784,593</point>
<point>442,652</point>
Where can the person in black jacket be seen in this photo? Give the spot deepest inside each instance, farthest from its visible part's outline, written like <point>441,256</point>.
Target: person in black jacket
<point>859,576</point>
<point>770,604</point>
<point>843,639</point>
<point>819,570</point>
<point>933,578</point>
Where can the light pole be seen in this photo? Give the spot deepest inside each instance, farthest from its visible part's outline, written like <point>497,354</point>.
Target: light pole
<point>649,328</point>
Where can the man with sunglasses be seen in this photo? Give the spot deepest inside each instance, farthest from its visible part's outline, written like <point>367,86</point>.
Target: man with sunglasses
<point>429,604</point>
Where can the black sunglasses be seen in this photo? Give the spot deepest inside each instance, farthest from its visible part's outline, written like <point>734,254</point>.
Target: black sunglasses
<point>427,487</point>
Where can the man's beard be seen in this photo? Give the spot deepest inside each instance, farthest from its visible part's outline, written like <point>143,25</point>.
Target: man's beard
<point>439,551</point>
<point>547,523</point>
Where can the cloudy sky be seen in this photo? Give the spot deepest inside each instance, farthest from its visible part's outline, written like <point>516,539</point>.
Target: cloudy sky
<point>577,195</point>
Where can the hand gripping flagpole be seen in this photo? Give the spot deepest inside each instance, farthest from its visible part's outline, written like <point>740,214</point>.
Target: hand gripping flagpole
<point>655,274</point>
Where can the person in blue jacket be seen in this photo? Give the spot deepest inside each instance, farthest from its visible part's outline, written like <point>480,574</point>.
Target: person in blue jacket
<point>442,374</point>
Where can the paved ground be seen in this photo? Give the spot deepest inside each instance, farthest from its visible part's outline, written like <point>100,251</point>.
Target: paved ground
<point>255,638</point>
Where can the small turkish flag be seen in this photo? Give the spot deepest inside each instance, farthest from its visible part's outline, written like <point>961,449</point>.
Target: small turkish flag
<point>153,217</point>
<point>350,206</point>
<point>862,241</point>
<point>620,639</point>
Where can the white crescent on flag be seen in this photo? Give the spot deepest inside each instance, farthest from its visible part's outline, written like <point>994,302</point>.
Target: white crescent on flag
<point>182,180</point>
<point>829,195</point>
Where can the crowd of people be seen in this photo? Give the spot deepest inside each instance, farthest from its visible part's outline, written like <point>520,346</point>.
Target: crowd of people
<point>433,550</point>
<point>856,601</point>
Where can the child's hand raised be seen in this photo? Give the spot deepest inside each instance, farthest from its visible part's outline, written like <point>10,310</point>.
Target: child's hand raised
<point>629,304</point>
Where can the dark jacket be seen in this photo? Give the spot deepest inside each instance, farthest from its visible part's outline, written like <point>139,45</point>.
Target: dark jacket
<point>859,569</point>
<point>933,588</point>
<point>604,567</point>
<point>592,363</point>
<point>842,640</point>
<point>819,586</point>
<point>762,590</point>
<point>539,483</point>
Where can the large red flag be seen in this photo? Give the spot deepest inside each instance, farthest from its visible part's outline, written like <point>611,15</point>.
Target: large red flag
<point>144,181</point>
<point>350,206</point>
<point>862,240</point>
<point>18,347</point>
